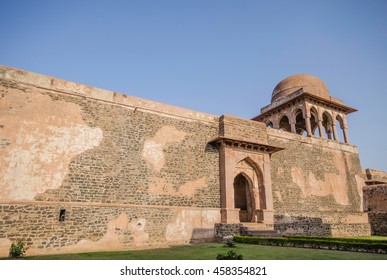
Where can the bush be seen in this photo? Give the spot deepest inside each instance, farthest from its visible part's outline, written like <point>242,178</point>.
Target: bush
<point>343,239</point>
<point>231,255</point>
<point>341,244</point>
<point>230,243</point>
<point>17,249</point>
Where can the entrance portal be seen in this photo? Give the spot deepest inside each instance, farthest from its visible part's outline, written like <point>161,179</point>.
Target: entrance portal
<point>243,199</point>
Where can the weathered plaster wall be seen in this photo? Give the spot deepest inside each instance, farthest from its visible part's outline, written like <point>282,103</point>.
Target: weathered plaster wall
<point>66,148</point>
<point>126,175</point>
<point>101,227</point>
<point>42,137</point>
<point>317,186</point>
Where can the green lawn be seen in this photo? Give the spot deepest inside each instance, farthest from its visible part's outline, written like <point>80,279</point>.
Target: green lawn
<point>211,250</point>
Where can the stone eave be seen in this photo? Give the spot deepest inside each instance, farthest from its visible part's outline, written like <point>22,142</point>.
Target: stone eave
<point>347,110</point>
<point>245,145</point>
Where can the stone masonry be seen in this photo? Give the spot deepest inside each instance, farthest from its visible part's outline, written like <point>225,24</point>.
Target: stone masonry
<point>375,203</point>
<point>125,176</point>
<point>317,187</point>
<point>86,169</point>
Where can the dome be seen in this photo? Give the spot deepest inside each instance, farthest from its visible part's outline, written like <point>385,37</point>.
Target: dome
<point>309,83</point>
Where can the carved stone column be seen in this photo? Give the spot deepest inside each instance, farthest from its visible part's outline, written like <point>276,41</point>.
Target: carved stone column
<point>335,137</point>
<point>320,128</point>
<point>293,127</point>
<point>308,126</point>
<point>345,132</point>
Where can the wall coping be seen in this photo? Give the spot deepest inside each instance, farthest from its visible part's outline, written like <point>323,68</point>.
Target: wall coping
<point>68,87</point>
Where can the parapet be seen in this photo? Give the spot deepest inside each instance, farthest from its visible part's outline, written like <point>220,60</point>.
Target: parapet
<point>67,87</point>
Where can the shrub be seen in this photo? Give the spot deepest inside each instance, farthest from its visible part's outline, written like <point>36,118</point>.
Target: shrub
<point>231,255</point>
<point>17,249</point>
<point>341,244</point>
<point>230,243</point>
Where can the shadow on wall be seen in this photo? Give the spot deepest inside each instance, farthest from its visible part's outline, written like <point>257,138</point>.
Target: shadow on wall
<point>306,226</point>
<point>211,148</point>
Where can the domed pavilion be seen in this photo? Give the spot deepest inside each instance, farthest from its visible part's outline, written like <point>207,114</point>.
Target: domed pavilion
<point>302,104</point>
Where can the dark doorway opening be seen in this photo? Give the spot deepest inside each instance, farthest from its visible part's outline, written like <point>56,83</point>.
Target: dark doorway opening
<point>242,198</point>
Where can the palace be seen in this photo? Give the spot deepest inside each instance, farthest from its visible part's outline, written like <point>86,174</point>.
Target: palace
<point>86,169</point>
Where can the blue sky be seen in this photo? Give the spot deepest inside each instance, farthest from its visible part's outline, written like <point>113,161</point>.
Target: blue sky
<point>219,57</point>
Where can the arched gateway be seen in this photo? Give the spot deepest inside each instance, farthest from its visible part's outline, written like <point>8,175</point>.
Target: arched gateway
<point>246,193</point>
<point>249,190</point>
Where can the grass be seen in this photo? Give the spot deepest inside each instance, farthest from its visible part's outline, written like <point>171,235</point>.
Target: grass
<point>209,251</point>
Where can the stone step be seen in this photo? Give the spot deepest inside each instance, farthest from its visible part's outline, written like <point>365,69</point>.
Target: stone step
<point>258,229</point>
<point>255,226</point>
<point>261,233</point>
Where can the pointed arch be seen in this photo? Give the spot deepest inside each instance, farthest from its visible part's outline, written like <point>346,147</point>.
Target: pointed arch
<point>340,124</point>
<point>327,123</point>
<point>254,166</point>
<point>284,123</point>
<point>295,111</point>
<point>257,191</point>
<point>314,121</point>
<point>300,122</point>
<point>340,119</point>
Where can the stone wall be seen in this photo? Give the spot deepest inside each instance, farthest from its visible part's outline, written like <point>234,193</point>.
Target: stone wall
<point>375,175</point>
<point>101,227</point>
<point>224,231</point>
<point>317,186</point>
<point>375,198</point>
<point>242,129</point>
<point>375,202</point>
<point>124,169</point>
<point>128,172</point>
<point>378,223</point>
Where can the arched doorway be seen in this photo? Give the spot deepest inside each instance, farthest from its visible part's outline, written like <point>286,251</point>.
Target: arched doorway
<point>243,198</point>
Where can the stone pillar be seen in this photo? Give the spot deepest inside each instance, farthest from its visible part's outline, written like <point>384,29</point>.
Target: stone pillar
<point>229,214</point>
<point>335,137</point>
<point>267,215</point>
<point>320,128</point>
<point>293,127</point>
<point>329,130</point>
<point>345,132</point>
<point>222,169</point>
<point>308,126</point>
<point>345,129</point>
<point>275,123</point>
